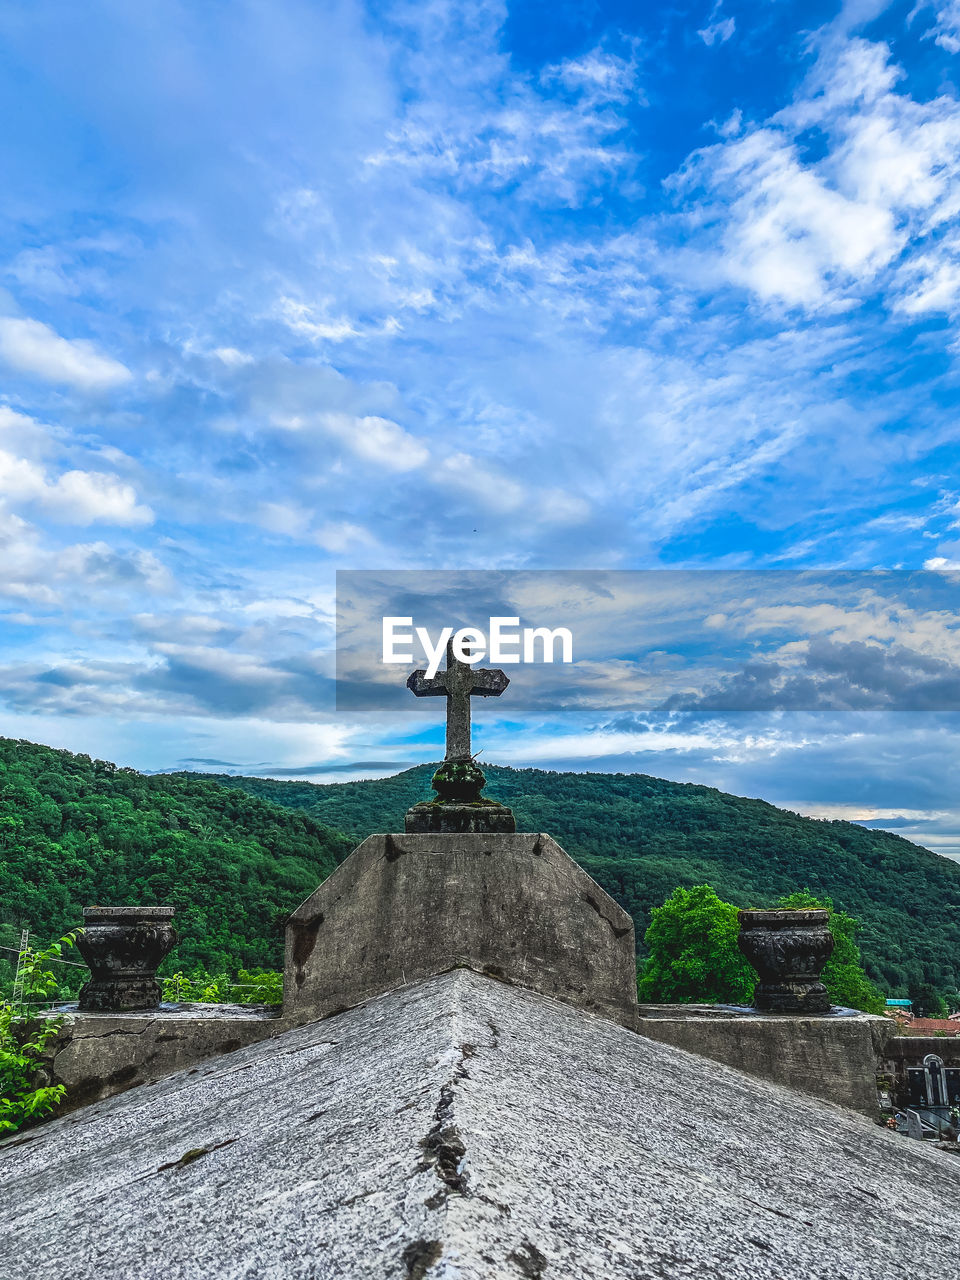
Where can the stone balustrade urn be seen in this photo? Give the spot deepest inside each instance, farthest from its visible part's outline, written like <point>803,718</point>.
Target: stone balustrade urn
<point>788,949</point>
<point>123,947</point>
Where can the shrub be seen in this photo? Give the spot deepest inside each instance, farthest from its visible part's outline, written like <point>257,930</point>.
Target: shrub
<point>24,1038</point>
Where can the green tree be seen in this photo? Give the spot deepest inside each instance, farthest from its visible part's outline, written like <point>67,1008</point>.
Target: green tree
<point>843,974</point>
<point>926,1001</point>
<point>693,952</point>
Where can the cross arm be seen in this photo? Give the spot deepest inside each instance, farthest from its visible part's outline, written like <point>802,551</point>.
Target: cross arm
<point>423,688</point>
<point>489,683</point>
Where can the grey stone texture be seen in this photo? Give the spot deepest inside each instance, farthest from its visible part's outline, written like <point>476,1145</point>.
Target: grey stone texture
<point>98,1055</point>
<point>467,1130</point>
<point>835,1057</point>
<point>404,907</point>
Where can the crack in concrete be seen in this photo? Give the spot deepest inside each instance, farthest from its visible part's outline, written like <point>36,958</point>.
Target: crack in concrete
<point>443,1147</point>
<point>781,1213</point>
<point>444,1150</point>
<point>617,932</point>
<point>107,1035</point>
<point>195,1153</point>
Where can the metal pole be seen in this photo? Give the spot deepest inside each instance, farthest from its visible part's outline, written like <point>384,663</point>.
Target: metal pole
<point>17,996</point>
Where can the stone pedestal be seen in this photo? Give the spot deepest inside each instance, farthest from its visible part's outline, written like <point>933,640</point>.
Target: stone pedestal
<point>123,947</point>
<point>432,816</point>
<point>788,949</point>
<point>458,807</point>
<point>512,906</point>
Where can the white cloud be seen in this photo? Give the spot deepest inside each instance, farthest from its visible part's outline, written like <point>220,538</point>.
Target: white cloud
<point>314,321</point>
<point>76,575</point>
<point>20,479</point>
<point>931,281</point>
<point>381,441</point>
<point>885,175</point>
<point>231,357</point>
<point>558,507</point>
<point>718,30</point>
<point>75,497</point>
<point>337,538</point>
<point>93,497</point>
<point>601,76</point>
<point>42,272</point>
<point>486,485</point>
<point>33,348</point>
<point>98,565</point>
<point>482,124</point>
<point>370,438</point>
<point>789,232</point>
<point>286,518</point>
<point>946,30</point>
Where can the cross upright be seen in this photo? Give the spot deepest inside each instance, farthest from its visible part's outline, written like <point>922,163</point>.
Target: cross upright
<point>457,684</point>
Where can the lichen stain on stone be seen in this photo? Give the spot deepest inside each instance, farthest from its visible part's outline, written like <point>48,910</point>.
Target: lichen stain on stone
<point>529,1261</point>
<point>494,971</point>
<point>420,1256</point>
<point>392,850</point>
<point>443,1147</point>
<point>194,1153</point>
<point>304,940</point>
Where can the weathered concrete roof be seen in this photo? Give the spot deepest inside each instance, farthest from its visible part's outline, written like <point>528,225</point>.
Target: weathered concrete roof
<point>464,1129</point>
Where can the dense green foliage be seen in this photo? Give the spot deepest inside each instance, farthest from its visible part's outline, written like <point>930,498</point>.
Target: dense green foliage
<point>24,1038</point>
<point>256,986</point>
<point>75,832</point>
<point>640,837</point>
<point>692,952</point>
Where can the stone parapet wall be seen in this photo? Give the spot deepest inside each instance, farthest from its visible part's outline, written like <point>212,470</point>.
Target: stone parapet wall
<point>835,1058</point>
<point>98,1055</point>
<point>400,909</point>
<point>913,1049</point>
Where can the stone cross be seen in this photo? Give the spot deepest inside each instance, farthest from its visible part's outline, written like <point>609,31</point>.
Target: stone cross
<point>457,684</point>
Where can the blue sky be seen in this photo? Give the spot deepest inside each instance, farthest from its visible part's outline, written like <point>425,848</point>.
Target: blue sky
<point>292,287</point>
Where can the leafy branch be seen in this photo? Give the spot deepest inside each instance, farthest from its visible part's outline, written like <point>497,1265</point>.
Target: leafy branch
<point>24,1097</point>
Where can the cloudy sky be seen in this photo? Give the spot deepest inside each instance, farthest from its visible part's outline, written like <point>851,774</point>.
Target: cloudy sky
<point>293,287</point>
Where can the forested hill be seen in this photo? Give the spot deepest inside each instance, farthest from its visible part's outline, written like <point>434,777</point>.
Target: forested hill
<point>76,831</point>
<point>640,837</point>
